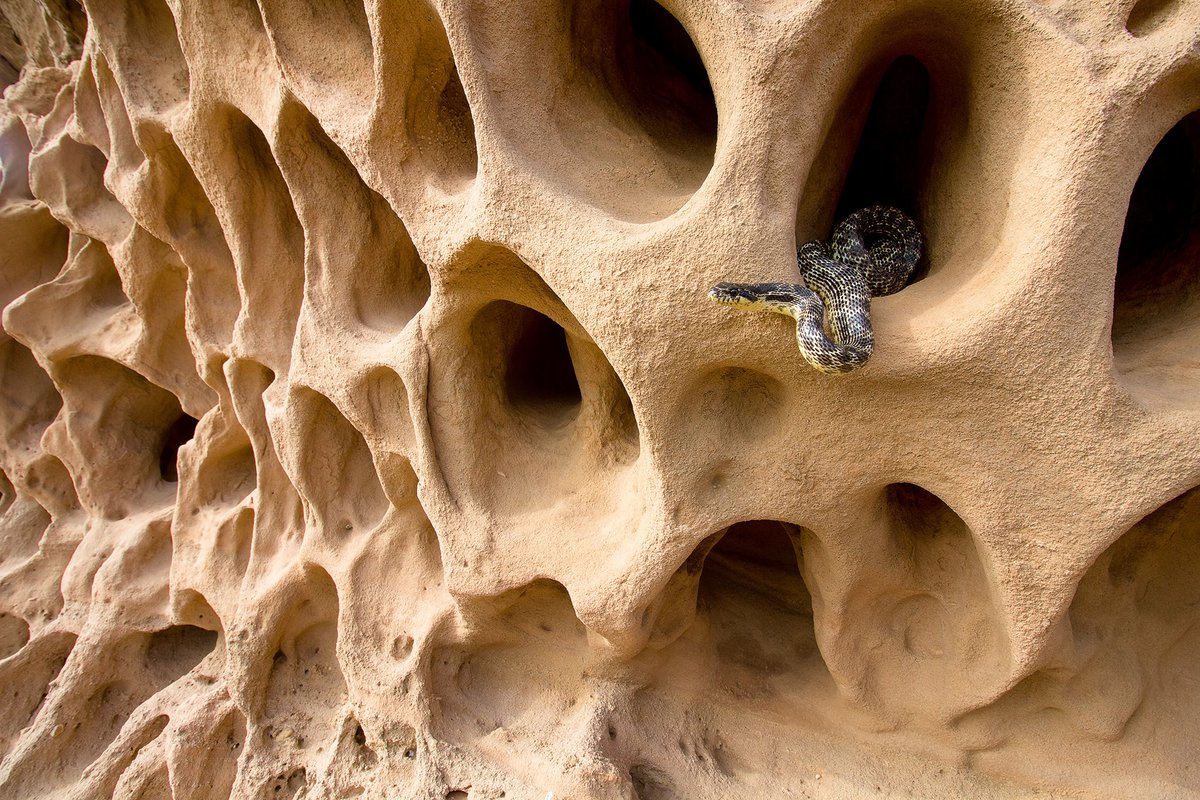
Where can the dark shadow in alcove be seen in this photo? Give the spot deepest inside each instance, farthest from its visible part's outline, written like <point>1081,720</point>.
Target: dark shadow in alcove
<point>888,165</point>
<point>680,80</point>
<point>1158,265</point>
<point>177,435</point>
<point>921,513</point>
<point>1147,16</point>
<point>757,606</point>
<point>652,67</point>
<point>540,377</point>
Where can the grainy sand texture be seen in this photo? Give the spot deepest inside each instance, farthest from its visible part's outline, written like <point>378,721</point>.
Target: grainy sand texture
<point>366,431</point>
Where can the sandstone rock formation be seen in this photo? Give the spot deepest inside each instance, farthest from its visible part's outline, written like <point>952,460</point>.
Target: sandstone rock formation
<point>365,430</point>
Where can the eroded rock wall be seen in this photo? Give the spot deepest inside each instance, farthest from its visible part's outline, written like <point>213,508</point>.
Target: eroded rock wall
<point>365,430</point>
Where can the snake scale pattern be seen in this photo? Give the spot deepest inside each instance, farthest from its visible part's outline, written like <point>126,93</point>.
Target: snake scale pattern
<point>873,253</point>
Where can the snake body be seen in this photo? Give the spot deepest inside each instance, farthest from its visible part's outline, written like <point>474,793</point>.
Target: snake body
<point>872,253</point>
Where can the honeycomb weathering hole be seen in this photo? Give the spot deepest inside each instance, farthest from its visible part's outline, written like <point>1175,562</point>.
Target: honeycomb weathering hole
<point>14,633</point>
<point>758,609</point>
<point>898,139</point>
<point>531,411</point>
<point>539,376</point>
<point>933,616</point>
<point>919,511</point>
<point>177,435</point>
<point>888,167</point>
<point>423,87</point>
<point>451,132</point>
<point>174,651</point>
<point>648,94</point>
<point>357,502</point>
<point>1156,298</point>
<point>666,74</point>
<point>1147,15</point>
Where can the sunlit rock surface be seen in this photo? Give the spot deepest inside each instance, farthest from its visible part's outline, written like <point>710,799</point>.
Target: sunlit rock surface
<point>365,429</point>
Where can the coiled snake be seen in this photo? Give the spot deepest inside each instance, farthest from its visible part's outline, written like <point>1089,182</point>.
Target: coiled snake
<point>873,253</point>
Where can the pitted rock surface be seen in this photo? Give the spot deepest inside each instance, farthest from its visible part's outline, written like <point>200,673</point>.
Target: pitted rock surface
<point>365,430</point>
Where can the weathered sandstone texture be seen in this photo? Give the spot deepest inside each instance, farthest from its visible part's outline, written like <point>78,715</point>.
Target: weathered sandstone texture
<point>366,431</point>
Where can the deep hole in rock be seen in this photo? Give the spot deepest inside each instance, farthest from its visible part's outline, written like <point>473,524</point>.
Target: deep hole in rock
<point>660,68</point>
<point>919,511</point>
<point>636,115</point>
<point>539,376</point>
<point>14,633</point>
<point>888,167</point>
<point>178,434</point>
<point>651,783</point>
<point>758,607</point>
<point>1147,15</point>
<point>1158,264</point>
<point>654,28</point>
<point>7,492</point>
<point>172,652</point>
<point>457,126</point>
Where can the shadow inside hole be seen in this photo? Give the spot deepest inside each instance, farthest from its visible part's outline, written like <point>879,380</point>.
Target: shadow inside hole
<point>757,607</point>
<point>1147,16</point>
<point>457,126</point>
<point>1157,288</point>
<point>539,376</point>
<point>658,72</point>
<point>919,512</point>
<point>8,493</point>
<point>174,651</point>
<point>939,615</point>
<point>14,634</point>
<point>672,70</point>
<point>888,166</point>
<point>177,435</point>
<point>651,783</point>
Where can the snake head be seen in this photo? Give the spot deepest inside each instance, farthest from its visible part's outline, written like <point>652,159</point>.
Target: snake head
<point>732,294</point>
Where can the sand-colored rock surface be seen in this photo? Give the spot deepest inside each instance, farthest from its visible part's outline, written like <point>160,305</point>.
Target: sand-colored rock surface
<point>365,429</point>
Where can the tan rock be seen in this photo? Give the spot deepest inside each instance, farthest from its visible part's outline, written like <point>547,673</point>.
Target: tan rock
<point>365,429</point>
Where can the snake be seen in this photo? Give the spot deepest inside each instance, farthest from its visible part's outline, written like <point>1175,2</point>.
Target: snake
<point>872,253</point>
